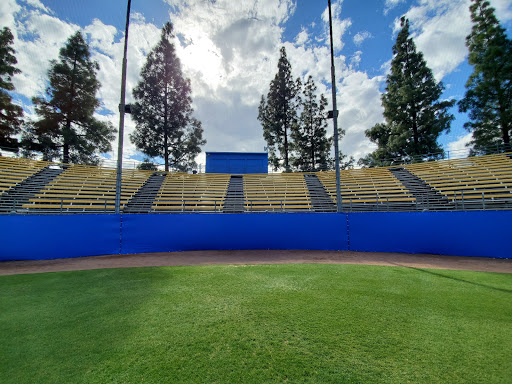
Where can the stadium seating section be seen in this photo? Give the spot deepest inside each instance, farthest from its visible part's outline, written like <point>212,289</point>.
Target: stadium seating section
<point>14,171</point>
<point>276,192</point>
<point>31,186</point>
<point>192,193</point>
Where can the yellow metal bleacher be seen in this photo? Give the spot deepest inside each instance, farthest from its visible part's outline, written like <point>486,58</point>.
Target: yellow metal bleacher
<point>276,192</point>
<point>13,171</point>
<point>204,192</point>
<point>487,178</point>
<point>366,186</point>
<point>87,188</point>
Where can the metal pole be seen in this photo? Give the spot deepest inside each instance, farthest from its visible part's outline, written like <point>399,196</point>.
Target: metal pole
<point>121,115</point>
<point>335,119</point>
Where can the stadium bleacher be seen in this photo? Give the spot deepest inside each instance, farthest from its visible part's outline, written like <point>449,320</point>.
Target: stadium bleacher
<point>13,171</point>
<point>192,193</point>
<point>484,182</point>
<point>368,188</point>
<point>276,192</point>
<point>82,188</point>
<point>473,181</point>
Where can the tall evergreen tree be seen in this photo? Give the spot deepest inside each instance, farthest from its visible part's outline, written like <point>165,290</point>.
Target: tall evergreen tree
<point>278,113</point>
<point>67,127</point>
<point>311,146</point>
<point>163,112</point>
<point>489,88</point>
<point>414,115</point>
<point>10,114</point>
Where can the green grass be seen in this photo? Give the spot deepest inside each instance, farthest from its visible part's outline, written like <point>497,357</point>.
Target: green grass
<point>256,324</point>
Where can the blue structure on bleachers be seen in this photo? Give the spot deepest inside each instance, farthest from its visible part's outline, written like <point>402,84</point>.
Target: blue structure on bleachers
<point>236,162</point>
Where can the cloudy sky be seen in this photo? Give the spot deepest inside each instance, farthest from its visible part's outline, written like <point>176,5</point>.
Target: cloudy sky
<point>229,49</point>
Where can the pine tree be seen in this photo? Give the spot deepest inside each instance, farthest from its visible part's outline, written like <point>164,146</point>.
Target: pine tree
<point>414,116</point>
<point>67,127</point>
<point>10,114</point>
<point>489,88</point>
<point>311,146</point>
<point>278,113</point>
<point>163,112</point>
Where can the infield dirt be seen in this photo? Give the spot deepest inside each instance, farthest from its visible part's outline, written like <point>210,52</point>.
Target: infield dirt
<point>257,257</point>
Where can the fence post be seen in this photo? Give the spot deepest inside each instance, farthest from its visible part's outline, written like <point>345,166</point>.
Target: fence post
<point>105,206</point>
<point>387,203</point>
<point>462,194</point>
<point>61,202</point>
<point>183,206</point>
<point>483,201</point>
<point>350,205</point>
<point>281,205</point>
<point>251,206</point>
<point>215,206</point>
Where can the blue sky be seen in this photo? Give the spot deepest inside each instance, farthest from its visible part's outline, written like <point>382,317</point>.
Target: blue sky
<point>229,49</point>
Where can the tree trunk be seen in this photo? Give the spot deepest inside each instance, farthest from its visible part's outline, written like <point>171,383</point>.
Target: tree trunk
<point>166,152</point>
<point>312,136</point>
<point>286,148</point>
<point>65,153</point>
<point>505,125</point>
<point>67,130</point>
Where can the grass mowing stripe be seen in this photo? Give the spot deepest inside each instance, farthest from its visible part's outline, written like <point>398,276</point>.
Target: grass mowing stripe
<point>253,324</point>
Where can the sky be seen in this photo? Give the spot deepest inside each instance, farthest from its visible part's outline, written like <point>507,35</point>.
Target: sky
<point>230,49</point>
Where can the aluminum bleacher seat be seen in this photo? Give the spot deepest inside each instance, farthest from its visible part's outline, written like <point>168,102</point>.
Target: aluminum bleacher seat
<point>474,181</point>
<point>364,189</point>
<point>276,192</point>
<point>204,192</point>
<point>83,188</point>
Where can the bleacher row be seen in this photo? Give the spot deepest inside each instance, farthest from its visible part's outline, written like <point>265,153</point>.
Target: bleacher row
<point>42,187</point>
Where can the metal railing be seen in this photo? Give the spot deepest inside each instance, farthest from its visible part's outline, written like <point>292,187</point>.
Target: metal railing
<point>458,202</point>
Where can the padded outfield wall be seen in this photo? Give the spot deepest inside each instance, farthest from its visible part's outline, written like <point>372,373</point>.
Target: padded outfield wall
<point>474,233</point>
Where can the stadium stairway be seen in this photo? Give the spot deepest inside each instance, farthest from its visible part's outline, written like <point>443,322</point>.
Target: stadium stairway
<point>234,200</point>
<point>11,201</point>
<point>143,200</point>
<point>426,197</point>
<point>320,199</point>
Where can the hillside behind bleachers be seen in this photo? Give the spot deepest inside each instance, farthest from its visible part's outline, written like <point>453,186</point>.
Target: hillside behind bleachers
<point>30,186</point>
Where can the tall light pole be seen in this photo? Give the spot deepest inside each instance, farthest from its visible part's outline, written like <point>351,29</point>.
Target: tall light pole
<point>335,120</point>
<point>121,115</point>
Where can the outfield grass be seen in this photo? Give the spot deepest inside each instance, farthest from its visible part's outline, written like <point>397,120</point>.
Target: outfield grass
<point>256,324</point>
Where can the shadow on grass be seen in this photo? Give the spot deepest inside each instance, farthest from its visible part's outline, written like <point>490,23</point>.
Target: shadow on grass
<point>455,278</point>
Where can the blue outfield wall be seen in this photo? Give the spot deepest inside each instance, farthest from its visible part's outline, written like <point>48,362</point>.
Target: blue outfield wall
<point>469,233</point>
<point>186,232</point>
<point>37,237</point>
<point>475,233</point>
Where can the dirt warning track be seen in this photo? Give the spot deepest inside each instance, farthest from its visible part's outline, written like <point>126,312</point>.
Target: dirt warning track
<point>257,257</point>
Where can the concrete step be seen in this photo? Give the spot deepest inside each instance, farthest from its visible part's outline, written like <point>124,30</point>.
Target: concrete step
<point>142,201</point>
<point>427,198</point>
<point>320,199</point>
<point>234,199</point>
<point>11,201</point>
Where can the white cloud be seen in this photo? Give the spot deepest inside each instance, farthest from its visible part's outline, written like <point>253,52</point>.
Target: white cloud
<point>48,35</point>
<point>302,37</point>
<point>339,26</point>
<point>360,109</point>
<point>458,148</point>
<point>440,28</point>
<point>228,50</point>
<point>393,3</point>
<point>7,10</point>
<point>361,36</point>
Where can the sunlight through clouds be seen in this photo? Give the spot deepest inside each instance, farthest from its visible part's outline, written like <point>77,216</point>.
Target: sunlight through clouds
<point>229,50</point>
